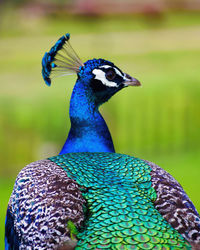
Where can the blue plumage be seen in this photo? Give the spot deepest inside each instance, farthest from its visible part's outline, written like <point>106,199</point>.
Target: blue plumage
<point>11,237</point>
<point>89,132</point>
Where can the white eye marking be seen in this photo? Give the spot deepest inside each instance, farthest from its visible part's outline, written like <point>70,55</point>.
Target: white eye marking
<point>105,66</point>
<point>101,76</point>
<point>116,70</point>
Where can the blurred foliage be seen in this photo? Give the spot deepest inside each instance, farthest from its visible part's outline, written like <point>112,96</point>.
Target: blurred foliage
<point>159,122</point>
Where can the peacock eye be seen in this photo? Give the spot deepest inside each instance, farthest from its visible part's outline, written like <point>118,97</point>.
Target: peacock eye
<point>110,74</point>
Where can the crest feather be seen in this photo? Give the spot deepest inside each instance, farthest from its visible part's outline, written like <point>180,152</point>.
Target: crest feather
<point>60,60</point>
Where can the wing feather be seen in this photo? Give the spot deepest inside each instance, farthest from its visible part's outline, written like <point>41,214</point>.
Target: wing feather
<point>174,205</point>
<point>43,200</point>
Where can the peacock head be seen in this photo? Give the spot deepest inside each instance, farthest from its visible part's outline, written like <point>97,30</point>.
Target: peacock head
<point>101,78</point>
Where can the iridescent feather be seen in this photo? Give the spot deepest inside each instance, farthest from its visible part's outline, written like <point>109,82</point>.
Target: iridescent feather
<point>60,60</point>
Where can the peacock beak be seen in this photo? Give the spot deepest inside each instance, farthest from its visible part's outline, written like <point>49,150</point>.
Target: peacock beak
<point>130,81</point>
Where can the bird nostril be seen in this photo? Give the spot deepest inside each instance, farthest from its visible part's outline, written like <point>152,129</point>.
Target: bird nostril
<point>128,77</point>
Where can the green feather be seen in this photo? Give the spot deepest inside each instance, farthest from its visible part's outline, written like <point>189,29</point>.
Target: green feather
<point>72,229</point>
<point>120,202</point>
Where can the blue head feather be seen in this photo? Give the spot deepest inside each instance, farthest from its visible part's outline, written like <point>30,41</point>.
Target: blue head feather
<point>49,59</point>
<point>92,64</point>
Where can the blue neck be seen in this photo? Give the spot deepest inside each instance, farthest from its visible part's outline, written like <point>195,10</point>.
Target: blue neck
<point>89,132</point>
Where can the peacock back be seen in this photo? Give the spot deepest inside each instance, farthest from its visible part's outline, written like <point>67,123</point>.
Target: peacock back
<point>119,204</point>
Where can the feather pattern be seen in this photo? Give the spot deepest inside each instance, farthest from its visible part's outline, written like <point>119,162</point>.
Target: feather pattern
<point>52,199</point>
<point>107,196</point>
<point>174,204</point>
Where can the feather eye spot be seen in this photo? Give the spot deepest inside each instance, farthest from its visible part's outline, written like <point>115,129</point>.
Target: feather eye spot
<point>53,65</point>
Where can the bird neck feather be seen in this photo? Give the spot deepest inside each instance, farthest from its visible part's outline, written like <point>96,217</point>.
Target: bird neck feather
<point>88,132</point>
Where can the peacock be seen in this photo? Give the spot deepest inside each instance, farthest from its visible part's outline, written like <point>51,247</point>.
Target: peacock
<point>88,196</point>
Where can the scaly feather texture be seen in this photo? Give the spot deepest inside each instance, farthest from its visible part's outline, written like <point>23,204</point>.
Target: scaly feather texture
<point>88,196</point>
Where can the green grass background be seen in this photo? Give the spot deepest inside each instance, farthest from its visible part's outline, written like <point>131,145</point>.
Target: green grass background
<point>159,122</point>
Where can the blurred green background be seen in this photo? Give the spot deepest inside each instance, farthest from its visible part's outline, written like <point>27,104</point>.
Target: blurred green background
<point>158,43</point>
